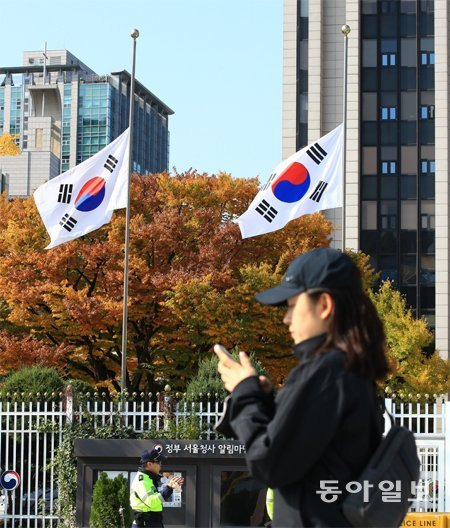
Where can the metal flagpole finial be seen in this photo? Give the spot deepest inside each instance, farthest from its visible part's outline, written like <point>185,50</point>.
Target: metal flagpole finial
<point>345,29</point>
<point>134,34</point>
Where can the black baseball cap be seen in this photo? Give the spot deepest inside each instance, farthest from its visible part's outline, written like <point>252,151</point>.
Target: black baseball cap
<point>319,269</point>
<point>153,455</point>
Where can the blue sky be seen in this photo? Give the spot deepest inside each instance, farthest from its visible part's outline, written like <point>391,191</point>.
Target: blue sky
<point>216,63</point>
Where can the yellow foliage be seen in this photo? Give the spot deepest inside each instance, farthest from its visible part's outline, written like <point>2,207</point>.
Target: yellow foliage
<point>406,339</point>
<point>8,146</point>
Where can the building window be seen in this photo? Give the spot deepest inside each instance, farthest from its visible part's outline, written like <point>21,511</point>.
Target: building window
<point>389,167</point>
<point>388,59</point>
<point>427,57</point>
<point>388,215</point>
<point>427,221</point>
<point>427,270</point>
<point>369,215</point>
<point>427,112</point>
<point>428,166</point>
<point>388,113</point>
<point>388,6</point>
<point>408,187</point>
<point>388,221</point>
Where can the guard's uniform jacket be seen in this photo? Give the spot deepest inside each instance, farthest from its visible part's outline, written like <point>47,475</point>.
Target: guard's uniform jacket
<point>325,415</point>
<point>145,499</point>
<point>269,503</point>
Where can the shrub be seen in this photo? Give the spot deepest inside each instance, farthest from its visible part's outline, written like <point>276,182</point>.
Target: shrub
<point>207,380</point>
<point>188,427</point>
<point>109,496</point>
<point>34,380</point>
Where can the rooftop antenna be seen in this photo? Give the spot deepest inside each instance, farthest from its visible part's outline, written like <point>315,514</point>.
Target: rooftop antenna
<point>44,53</point>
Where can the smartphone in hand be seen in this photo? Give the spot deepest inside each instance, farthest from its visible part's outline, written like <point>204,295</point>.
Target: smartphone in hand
<point>221,348</point>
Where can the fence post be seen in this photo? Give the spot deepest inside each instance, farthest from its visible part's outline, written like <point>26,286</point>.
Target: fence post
<point>389,408</point>
<point>447,455</point>
<point>68,403</point>
<point>167,406</point>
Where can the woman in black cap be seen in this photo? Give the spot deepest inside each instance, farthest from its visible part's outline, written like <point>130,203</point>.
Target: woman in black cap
<point>326,417</point>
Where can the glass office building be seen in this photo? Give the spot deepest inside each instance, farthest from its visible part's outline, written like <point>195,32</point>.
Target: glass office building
<point>66,116</point>
<point>396,189</point>
<point>398,146</point>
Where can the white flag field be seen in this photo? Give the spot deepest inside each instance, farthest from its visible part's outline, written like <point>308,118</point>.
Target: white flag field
<point>308,181</point>
<point>84,198</point>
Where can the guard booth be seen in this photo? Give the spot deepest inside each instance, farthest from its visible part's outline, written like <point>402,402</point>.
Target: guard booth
<point>217,490</point>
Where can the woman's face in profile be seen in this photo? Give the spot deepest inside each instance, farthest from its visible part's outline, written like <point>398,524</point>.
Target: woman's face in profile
<point>307,318</point>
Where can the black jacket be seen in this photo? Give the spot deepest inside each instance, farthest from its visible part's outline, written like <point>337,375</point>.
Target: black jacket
<point>325,415</point>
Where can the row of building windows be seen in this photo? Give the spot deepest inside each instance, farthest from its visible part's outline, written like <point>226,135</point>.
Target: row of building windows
<point>393,133</point>
<point>389,57</point>
<point>397,242</point>
<point>390,167</point>
<point>397,182</point>
<point>406,79</point>
<point>389,113</point>
<point>302,74</point>
<point>393,187</point>
<point>66,118</point>
<point>15,118</point>
<point>94,119</point>
<point>407,18</point>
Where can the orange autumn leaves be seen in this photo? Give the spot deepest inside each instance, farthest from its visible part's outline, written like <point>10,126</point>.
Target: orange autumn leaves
<point>192,281</point>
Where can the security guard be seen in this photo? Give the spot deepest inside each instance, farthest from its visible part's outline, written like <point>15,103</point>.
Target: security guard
<point>145,499</point>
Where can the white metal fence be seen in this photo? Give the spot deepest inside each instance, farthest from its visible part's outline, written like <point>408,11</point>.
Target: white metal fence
<point>31,431</point>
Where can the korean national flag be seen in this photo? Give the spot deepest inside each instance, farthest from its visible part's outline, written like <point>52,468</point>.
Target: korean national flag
<point>84,198</point>
<point>308,181</point>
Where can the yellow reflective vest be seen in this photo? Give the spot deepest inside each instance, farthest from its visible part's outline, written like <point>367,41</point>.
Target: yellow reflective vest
<point>144,496</point>
<point>269,503</point>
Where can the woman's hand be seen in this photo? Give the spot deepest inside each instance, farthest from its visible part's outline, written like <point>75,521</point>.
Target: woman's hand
<point>232,372</point>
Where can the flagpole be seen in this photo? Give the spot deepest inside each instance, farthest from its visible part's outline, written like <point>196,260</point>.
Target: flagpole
<point>123,381</point>
<point>345,31</point>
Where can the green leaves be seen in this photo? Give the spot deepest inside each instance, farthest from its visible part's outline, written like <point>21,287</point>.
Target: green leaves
<point>108,498</point>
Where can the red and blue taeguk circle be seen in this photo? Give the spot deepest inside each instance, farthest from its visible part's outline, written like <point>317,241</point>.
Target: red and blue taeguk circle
<point>292,184</point>
<point>91,194</point>
<point>10,480</point>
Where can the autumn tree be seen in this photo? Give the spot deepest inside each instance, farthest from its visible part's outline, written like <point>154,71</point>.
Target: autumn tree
<point>406,338</point>
<point>192,281</point>
<point>8,146</point>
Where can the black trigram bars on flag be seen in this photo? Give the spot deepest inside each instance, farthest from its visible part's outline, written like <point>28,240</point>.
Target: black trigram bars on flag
<point>266,211</point>
<point>110,163</point>
<point>316,153</point>
<point>269,181</point>
<point>68,222</point>
<point>318,191</point>
<point>65,193</point>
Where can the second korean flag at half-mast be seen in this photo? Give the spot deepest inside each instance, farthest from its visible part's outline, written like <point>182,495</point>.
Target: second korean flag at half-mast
<point>84,198</point>
<point>308,181</point>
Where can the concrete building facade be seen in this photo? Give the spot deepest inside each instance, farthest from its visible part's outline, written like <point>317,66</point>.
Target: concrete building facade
<point>397,166</point>
<point>61,113</point>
